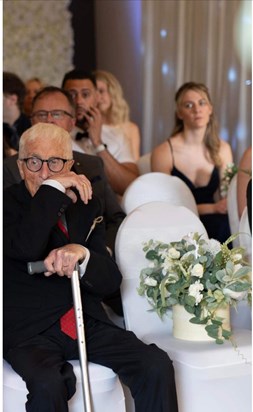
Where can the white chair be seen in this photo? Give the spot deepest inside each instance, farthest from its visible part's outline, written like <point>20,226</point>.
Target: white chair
<point>106,390</point>
<point>144,163</point>
<point>216,376</point>
<point>156,186</point>
<point>233,215</point>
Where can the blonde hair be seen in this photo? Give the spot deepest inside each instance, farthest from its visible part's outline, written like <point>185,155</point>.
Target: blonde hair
<point>211,138</point>
<point>119,110</point>
<point>48,131</point>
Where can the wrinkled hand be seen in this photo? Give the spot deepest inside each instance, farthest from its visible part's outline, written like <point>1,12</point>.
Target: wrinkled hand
<point>80,182</point>
<point>221,206</point>
<point>62,260</point>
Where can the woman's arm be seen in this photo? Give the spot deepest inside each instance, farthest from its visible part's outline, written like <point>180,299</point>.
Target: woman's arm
<point>226,157</point>
<point>220,205</point>
<point>161,159</point>
<point>243,179</point>
<point>132,132</point>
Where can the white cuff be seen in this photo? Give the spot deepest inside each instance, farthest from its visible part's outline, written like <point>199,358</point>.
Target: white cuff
<point>83,265</point>
<point>55,184</point>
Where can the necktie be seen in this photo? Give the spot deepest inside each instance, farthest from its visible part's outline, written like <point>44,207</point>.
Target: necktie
<point>68,324</point>
<point>67,321</point>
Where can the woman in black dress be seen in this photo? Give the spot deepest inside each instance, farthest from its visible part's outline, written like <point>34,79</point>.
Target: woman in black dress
<point>195,153</point>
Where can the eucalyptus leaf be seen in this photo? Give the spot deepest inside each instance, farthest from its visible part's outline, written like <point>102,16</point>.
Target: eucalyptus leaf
<point>198,321</point>
<point>226,333</point>
<point>243,271</point>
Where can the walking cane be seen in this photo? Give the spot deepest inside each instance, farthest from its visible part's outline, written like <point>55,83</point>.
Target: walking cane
<point>38,267</point>
<point>81,338</point>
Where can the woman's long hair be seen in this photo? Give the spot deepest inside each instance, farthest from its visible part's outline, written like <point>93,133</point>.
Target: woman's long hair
<point>119,110</point>
<point>211,138</point>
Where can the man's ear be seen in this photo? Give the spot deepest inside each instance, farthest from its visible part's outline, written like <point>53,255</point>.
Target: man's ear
<point>13,98</point>
<point>20,168</point>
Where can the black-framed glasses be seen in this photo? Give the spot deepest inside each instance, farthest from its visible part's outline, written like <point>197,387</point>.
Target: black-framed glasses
<point>42,115</point>
<point>54,164</point>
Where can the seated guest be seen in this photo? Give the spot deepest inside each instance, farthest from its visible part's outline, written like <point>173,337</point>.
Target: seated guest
<point>93,138</point>
<point>32,87</point>
<point>36,343</point>
<point>54,105</point>
<point>243,178</point>
<point>195,153</point>
<point>7,149</point>
<point>115,109</point>
<point>15,122</point>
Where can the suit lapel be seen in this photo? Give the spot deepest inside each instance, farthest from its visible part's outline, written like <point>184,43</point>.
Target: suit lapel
<point>79,218</point>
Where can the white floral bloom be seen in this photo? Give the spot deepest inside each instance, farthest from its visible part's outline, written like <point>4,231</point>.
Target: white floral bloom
<point>213,246</point>
<point>237,257</point>
<point>173,253</point>
<point>197,270</point>
<point>235,295</point>
<point>167,265</point>
<point>195,289</point>
<point>163,253</point>
<point>150,282</point>
<point>151,264</point>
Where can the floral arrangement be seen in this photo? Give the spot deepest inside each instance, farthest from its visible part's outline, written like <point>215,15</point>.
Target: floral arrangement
<point>200,274</point>
<point>229,173</point>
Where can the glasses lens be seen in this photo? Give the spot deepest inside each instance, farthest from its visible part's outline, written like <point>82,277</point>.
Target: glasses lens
<point>34,164</point>
<point>55,164</point>
<point>57,114</point>
<point>41,115</point>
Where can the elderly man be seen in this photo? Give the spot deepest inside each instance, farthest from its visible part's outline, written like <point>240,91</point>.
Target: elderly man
<point>51,198</point>
<point>54,105</point>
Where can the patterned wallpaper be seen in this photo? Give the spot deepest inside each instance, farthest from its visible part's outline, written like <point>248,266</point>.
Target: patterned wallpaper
<point>37,39</point>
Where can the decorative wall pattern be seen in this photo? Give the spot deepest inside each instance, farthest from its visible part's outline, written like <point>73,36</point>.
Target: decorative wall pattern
<point>37,39</point>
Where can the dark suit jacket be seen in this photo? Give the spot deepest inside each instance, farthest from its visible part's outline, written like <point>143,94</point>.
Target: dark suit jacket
<point>34,302</point>
<point>92,168</point>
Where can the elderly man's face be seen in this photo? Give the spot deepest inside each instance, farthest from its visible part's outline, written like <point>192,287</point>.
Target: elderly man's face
<point>54,101</point>
<point>40,148</point>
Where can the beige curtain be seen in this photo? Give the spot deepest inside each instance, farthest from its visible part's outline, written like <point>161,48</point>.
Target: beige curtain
<point>207,41</point>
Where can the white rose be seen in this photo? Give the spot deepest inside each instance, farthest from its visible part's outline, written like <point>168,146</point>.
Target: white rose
<point>197,270</point>
<point>150,282</point>
<point>235,295</point>
<point>173,253</point>
<point>195,289</point>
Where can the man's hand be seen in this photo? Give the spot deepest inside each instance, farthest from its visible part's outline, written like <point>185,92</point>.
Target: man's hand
<point>62,260</point>
<point>94,120</point>
<point>80,182</point>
